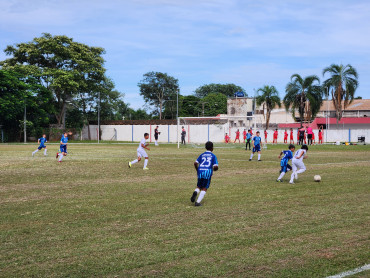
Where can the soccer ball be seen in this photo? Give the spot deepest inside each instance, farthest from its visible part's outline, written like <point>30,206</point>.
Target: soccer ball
<point>317,178</point>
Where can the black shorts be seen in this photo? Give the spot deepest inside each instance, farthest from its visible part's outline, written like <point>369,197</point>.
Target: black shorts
<point>309,136</point>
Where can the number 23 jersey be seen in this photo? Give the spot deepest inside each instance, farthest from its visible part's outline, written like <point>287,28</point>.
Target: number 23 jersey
<point>206,162</point>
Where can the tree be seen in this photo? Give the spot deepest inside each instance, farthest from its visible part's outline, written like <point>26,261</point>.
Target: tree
<point>225,89</point>
<point>304,95</point>
<point>189,106</point>
<point>270,97</point>
<point>63,66</point>
<point>214,104</point>
<point>18,92</point>
<point>157,88</point>
<point>343,84</point>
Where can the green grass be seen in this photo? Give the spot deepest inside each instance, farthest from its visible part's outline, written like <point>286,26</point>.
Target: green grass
<point>92,216</point>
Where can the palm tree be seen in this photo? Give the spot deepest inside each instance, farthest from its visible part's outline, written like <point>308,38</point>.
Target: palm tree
<point>304,95</point>
<point>270,97</point>
<point>343,84</point>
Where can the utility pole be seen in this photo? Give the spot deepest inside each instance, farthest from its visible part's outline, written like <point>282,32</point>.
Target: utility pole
<point>99,117</point>
<point>24,123</point>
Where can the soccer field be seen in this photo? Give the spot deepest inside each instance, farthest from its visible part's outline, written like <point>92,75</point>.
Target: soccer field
<point>93,216</point>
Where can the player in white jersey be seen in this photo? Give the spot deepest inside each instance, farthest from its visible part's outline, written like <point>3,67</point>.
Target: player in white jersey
<point>141,152</point>
<point>297,163</point>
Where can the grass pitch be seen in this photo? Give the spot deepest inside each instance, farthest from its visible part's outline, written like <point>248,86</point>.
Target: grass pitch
<point>91,216</point>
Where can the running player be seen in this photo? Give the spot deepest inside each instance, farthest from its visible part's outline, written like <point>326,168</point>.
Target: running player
<point>141,152</point>
<point>63,147</point>
<point>285,167</point>
<point>297,163</point>
<point>256,142</point>
<point>205,165</point>
<point>42,142</point>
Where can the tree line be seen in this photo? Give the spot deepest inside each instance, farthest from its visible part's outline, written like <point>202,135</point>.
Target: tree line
<point>54,80</point>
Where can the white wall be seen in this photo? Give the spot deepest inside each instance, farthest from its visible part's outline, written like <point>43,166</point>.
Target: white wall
<point>215,133</point>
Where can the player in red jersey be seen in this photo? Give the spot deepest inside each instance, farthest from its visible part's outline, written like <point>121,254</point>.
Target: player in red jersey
<point>291,136</point>
<point>276,134</point>
<point>266,136</point>
<point>244,135</point>
<point>320,135</point>
<point>227,138</point>
<point>285,136</point>
<point>237,136</point>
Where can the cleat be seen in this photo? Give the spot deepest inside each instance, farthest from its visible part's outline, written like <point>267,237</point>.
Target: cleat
<point>259,160</point>
<point>146,168</point>
<point>192,199</point>
<point>198,204</point>
<point>129,165</point>
<point>33,154</point>
<point>57,155</point>
<point>279,180</point>
<point>291,182</point>
<point>250,159</point>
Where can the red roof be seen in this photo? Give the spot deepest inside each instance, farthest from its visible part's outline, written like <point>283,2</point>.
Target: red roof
<point>322,121</point>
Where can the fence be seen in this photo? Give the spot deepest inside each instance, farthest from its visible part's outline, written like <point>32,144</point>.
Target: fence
<point>206,132</point>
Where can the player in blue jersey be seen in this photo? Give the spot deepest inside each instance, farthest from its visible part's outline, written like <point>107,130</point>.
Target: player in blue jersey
<point>63,146</point>
<point>256,143</point>
<point>285,167</point>
<point>42,142</point>
<point>248,138</point>
<point>205,165</point>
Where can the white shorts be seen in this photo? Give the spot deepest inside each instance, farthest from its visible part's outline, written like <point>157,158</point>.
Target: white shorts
<point>141,153</point>
<point>297,164</point>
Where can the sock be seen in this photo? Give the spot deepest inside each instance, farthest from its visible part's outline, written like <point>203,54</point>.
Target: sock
<point>35,151</point>
<point>251,156</point>
<point>134,161</point>
<point>281,175</point>
<point>201,196</point>
<point>60,157</point>
<point>145,163</point>
<point>292,177</point>
<point>259,156</point>
<point>45,151</point>
<point>197,190</point>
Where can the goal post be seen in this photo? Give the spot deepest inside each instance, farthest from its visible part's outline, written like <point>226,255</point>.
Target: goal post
<point>202,129</point>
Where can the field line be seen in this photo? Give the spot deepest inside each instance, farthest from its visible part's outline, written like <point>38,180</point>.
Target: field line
<point>351,272</point>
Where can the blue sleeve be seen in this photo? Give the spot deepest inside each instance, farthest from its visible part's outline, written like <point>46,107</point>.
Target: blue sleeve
<point>198,159</point>
<point>215,161</point>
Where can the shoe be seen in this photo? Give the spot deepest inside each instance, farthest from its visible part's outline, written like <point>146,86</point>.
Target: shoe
<point>45,155</point>
<point>129,165</point>
<point>192,199</point>
<point>250,159</point>
<point>279,180</point>
<point>57,155</point>
<point>259,160</point>
<point>198,204</point>
<point>291,182</point>
<point>146,168</point>
<point>33,154</point>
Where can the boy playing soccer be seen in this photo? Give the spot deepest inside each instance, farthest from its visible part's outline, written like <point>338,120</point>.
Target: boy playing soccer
<point>285,167</point>
<point>63,146</point>
<point>42,142</point>
<point>297,163</point>
<point>256,142</point>
<point>141,152</point>
<point>205,165</point>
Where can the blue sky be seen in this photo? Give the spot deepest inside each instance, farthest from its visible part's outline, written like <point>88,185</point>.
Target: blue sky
<point>248,43</point>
